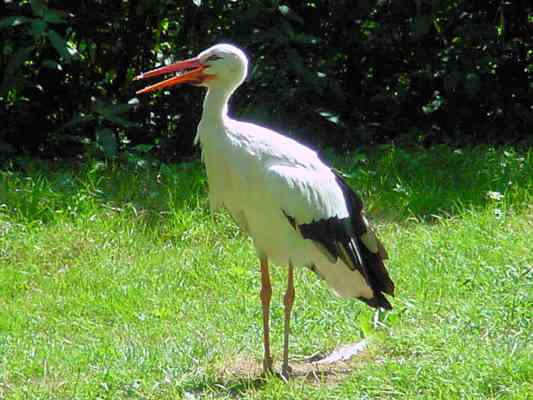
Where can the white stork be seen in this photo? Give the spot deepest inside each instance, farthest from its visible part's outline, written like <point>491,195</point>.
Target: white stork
<point>297,210</point>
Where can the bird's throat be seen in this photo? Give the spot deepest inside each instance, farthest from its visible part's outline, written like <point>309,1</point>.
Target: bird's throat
<point>215,109</point>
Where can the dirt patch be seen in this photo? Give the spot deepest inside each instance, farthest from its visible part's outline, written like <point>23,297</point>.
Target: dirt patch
<point>321,369</point>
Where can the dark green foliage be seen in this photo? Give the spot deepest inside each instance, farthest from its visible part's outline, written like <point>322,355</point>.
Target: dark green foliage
<point>335,74</point>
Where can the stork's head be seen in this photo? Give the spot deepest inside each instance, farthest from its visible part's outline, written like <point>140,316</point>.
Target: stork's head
<point>220,65</point>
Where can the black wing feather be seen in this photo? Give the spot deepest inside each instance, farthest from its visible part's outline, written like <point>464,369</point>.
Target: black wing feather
<point>341,237</point>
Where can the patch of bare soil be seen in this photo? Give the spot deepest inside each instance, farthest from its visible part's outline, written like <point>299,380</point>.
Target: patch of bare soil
<point>318,369</point>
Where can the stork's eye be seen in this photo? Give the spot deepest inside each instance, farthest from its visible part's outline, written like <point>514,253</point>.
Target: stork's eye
<point>214,57</point>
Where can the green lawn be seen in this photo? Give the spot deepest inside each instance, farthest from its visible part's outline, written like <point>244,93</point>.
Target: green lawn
<point>117,282</point>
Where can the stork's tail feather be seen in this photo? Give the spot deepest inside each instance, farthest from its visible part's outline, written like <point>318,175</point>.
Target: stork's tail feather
<point>378,278</point>
<point>378,301</point>
<point>372,252</point>
<point>377,273</point>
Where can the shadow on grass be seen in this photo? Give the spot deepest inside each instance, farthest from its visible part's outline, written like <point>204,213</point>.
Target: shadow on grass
<point>237,386</point>
<point>394,182</point>
<point>233,387</point>
<point>240,376</point>
<point>44,191</point>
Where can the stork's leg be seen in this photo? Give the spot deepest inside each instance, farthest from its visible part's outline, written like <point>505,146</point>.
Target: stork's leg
<point>288,301</point>
<point>266,295</point>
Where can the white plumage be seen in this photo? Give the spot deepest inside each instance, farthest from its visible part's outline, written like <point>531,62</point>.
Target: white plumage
<point>295,208</point>
<point>260,176</point>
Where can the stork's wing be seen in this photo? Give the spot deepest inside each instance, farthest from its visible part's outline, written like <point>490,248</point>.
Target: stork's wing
<point>323,208</point>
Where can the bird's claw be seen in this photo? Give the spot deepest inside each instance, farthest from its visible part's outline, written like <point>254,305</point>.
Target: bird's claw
<point>286,371</point>
<point>267,366</point>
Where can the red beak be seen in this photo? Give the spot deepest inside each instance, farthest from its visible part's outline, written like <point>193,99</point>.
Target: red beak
<point>192,72</point>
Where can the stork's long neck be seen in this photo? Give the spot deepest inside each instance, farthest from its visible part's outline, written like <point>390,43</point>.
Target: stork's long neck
<point>215,114</point>
<point>216,104</point>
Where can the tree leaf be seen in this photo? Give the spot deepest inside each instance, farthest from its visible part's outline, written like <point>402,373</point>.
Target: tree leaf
<point>331,117</point>
<point>38,8</point>
<point>38,26</point>
<point>119,120</point>
<point>52,65</point>
<point>61,45</point>
<point>296,64</point>
<point>500,28</point>
<point>55,16</point>
<point>304,38</point>
<point>290,14</point>
<point>110,112</point>
<point>76,120</point>
<point>10,22</point>
<point>437,25</point>
<point>120,108</point>
<point>107,141</point>
<point>144,148</point>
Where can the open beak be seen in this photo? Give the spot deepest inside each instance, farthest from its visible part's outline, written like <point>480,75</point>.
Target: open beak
<point>192,71</point>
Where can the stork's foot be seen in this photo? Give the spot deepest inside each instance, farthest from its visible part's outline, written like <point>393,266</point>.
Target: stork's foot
<point>267,366</point>
<point>286,371</point>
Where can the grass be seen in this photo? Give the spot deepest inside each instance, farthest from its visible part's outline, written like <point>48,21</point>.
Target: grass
<point>117,282</point>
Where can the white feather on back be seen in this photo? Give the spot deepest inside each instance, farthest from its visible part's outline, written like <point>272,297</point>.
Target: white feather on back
<point>288,174</point>
<point>306,195</point>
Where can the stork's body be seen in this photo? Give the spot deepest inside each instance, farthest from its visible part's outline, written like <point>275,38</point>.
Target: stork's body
<point>295,208</point>
<point>264,180</point>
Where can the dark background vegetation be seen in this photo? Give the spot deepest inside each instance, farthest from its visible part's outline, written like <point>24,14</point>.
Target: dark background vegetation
<point>336,74</point>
